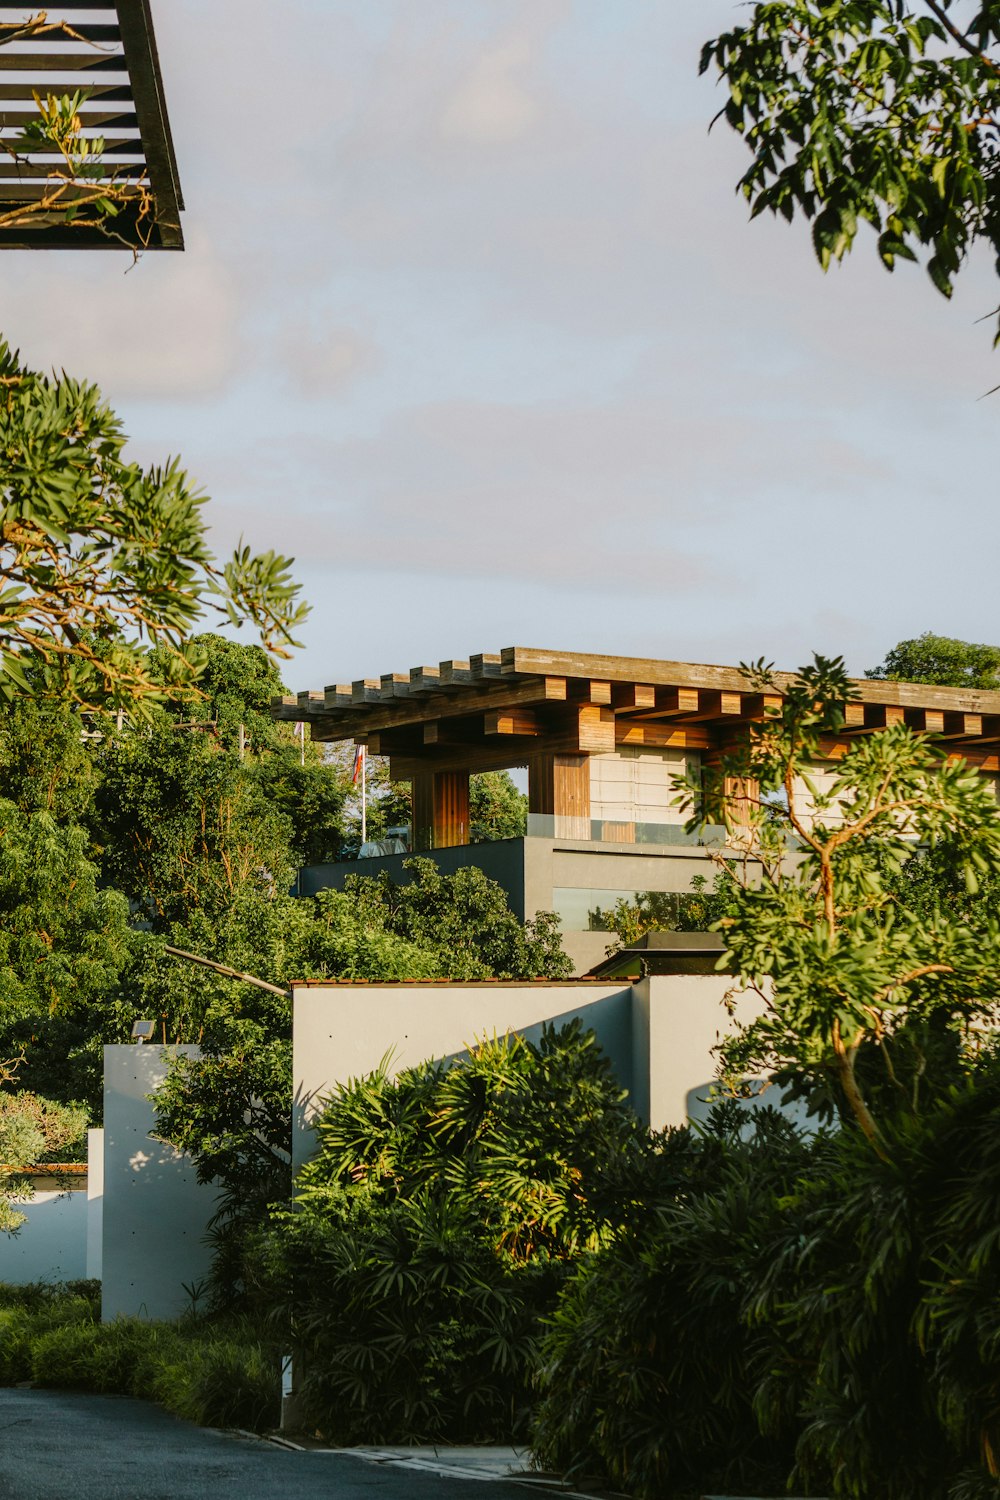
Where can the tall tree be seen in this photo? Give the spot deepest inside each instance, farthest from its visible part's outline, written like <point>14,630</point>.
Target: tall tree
<point>941,659</point>
<point>99,559</point>
<point>885,112</point>
<point>844,968</point>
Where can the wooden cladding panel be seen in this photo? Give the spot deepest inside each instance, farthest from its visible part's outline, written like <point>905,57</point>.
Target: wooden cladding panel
<point>559,786</point>
<point>440,801</point>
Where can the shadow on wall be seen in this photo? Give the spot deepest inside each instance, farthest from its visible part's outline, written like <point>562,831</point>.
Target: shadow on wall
<point>701,1099</point>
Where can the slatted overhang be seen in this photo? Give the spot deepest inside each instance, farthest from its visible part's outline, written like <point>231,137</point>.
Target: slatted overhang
<point>113,56</point>
<point>495,710</point>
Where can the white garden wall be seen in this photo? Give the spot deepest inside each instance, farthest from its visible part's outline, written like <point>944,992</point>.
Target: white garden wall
<point>155,1212</point>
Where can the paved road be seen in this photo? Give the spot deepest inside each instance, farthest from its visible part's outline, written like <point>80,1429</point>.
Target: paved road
<point>60,1446</point>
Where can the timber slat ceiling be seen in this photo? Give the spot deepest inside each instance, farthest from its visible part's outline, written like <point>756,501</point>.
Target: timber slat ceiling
<point>108,49</point>
<point>517,699</point>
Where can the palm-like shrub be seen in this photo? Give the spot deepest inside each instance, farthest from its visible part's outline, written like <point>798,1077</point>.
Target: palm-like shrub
<point>434,1227</point>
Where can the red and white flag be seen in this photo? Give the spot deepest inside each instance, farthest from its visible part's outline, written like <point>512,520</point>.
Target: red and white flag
<point>359,760</point>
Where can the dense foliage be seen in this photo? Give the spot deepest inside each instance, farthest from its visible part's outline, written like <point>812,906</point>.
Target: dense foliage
<point>840,966</point>
<point>943,660</point>
<point>99,559</point>
<point>32,1130</point>
<point>219,1374</point>
<point>433,1228</point>
<point>878,111</point>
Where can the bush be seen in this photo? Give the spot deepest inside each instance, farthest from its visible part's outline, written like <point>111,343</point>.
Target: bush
<point>432,1232</point>
<point>215,1375</point>
<point>219,1380</point>
<point>647,1372</point>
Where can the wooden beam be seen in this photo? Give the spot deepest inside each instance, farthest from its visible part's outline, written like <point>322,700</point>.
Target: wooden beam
<point>512,721</point>
<point>592,692</point>
<point>425,679</point>
<point>595,729</point>
<point>375,714</point>
<point>664,736</point>
<point>485,664</point>
<point>627,696</point>
<point>453,675</point>
<point>366,690</point>
<point>306,701</point>
<point>394,685</point>
<point>926,720</point>
<point>440,803</point>
<point>338,695</point>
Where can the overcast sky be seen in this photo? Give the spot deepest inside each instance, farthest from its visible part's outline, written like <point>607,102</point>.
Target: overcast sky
<point>473,323</point>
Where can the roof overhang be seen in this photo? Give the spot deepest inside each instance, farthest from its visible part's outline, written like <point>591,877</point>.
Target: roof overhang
<point>107,49</point>
<point>500,710</point>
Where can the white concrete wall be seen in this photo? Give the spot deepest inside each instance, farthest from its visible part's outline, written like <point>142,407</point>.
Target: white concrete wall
<point>636,785</point>
<point>660,1034</point>
<point>344,1031</point>
<point>52,1244</point>
<point>155,1212</point>
<point>95,1202</point>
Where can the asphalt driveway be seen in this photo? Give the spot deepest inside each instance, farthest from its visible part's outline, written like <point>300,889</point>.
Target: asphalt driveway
<point>60,1446</point>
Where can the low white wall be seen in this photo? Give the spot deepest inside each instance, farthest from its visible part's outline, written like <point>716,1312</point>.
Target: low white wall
<point>659,1034</point>
<point>95,1202</point>
<point>155,1212</point>
<point>52,1244</point>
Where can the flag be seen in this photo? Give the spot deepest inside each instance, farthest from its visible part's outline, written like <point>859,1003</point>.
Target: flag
<point>359,758</point>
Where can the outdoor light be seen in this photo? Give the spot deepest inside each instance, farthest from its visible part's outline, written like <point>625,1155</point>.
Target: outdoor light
<point>142,1031</point>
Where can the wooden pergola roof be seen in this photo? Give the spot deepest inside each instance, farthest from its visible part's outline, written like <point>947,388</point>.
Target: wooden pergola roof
<point>498,710</point>
<point>113,56</point>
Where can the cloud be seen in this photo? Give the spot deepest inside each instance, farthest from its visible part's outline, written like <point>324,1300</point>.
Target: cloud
<point>320,360</point>
<point>167,327</point>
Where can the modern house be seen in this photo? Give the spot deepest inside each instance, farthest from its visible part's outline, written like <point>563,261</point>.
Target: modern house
<point>605,740</point>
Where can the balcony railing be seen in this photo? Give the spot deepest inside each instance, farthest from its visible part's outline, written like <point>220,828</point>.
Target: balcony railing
<point>617,831</point>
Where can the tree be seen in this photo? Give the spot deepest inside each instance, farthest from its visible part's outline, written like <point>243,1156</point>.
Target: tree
<point>883,112</point>
<point>941,659</point>
<point>32,1130</point>
<point>497,810</point>
<point>99,558</point>
<point>843,968</point>
<point>63,944</point>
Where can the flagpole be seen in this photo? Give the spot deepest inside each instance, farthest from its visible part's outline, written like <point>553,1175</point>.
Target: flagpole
<point>364,791</point>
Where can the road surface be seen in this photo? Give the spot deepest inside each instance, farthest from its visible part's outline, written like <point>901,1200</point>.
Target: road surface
<point>57,1445</point>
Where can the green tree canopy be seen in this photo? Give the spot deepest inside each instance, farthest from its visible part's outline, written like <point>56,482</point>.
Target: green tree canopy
<point>843,967</point>
<point>882,112</point>
<point>99,558</point>
<point>941,659</point>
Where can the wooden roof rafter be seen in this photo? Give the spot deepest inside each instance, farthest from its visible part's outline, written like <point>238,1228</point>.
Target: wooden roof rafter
<point>107,49</point>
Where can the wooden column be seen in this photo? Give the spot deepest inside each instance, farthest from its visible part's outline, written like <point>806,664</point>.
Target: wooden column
<point>440,809</point>
<point>559,787</point>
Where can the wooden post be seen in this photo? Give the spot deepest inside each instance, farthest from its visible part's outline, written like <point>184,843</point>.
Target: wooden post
<point>559,787</point>
<point>440,809</point>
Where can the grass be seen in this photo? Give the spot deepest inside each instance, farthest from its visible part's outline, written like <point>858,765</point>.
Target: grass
<point>217,1374</point>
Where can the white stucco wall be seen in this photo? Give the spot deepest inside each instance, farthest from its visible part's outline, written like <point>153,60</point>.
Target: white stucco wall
<point>660,1034</point>
<point>52,1244</point>
<point>95,1202</point>
<point>155,1212</point>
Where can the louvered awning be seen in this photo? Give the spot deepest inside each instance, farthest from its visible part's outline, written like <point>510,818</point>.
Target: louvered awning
<point>108,50</point>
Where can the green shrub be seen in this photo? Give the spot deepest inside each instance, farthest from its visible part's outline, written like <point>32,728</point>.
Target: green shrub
<point>647,1372</point>
<point>433,1229</point>
<point>90,1356</point>
<point>219,1380</point>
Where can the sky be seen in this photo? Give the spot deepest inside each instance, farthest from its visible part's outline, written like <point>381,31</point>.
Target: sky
<point>472,322</point>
